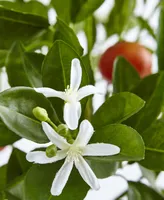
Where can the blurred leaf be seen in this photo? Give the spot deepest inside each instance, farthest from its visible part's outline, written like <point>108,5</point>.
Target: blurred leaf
<point>90,32</point>
<point>119,16</point>
<point>16,105</point>
<point>38,188</point>
<point>116,109</point>
<point>63,9</point>
<point>3,170</point>
<point>65,33</point>
<point>56,71</point>
<point>86,9</point>
<point>23,69</point>
<point>127,139</point>
<point>6,136</point>
<point>3,54</point>
<point>19,26</point>
<point>139,191</point>
<point>151,90</point>
<point>160,40</point>
<point>32,7</point>
<point>125,76</point>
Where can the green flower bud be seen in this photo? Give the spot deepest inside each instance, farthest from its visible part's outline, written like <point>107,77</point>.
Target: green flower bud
<point>70,140</point>
<point>40,114</point>
<point>51,151</point>
<point>63,129</point>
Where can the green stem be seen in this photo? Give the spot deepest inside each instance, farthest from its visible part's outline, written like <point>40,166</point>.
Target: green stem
<point>52,124</point>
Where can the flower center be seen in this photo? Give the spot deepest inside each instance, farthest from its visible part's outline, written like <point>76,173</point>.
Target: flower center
<point>74,153</point>
<point>71,95</point>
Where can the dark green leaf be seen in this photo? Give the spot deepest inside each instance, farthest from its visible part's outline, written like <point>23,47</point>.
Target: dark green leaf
<point>65,33</point>
<point>139,191</point>
<point>160,40</point>
<point>38,188</point>
<point>6,136</point>
<point>16,107</point>
<point>56,71</point>
<point>90,32</point>
<point>3,54</point>
<point>23,69</point>
<point>125,77</point>
<point>127,139</point>
<point>19,26</point>
<point>3,171</point>
<point>117,109</point>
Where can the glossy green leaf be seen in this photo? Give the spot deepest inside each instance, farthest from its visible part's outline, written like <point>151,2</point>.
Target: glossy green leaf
<point>153,138</point>
<point>139,191</point>
<point>153,93</point>
<point>87,8</point>
<point>90,32</point>
<point>119,16</point>
<point>6,136</point>
<point>39,188</point>
<point>23,69</point>
<point>56,71</point>
<point>127,139</point>
<point>19,26</point>
<point>16,107</point>
<point>17,165</point>
<point>65,33</point>
<point>63,9</point>
<point>125,77</point>
<point>32,7</point>
<point>160,40</point>
<point>117,109</point>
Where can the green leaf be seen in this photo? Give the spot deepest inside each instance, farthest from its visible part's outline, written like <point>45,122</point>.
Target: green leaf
<point>154,155</point>
<point>17,165</point>
<point>16,105</point>
<point>64,12</point>
<point>19,26</point>
<point>160,40</point>
<point>38,188</point>
<point>127,139</point>
<point>3,54</point>
<point>139,191</point>
<point>65,33</point>
<point>90,32</point>
<point>87,8</point>
<point>121,12</point>
<point>152,92</point>
<point>117,109</point>
<point>6,136</point>
<point>23,69</point>
<point>3,171</point>
<point>56,71</point>
<point>125,76</point>
<point>32,7</point>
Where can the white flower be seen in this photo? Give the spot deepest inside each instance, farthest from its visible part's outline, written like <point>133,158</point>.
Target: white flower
<point>72,95</point>
<point>74,155</point>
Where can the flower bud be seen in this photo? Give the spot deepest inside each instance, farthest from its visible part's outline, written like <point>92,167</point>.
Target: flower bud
<point>63,129</point>
<point>40,114</point>
<point>51,151</point>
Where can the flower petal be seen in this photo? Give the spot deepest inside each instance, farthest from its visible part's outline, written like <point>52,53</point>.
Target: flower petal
<point>87,173</point>
<point>41,158</point>
<point>61,178</point>
<point>85,133</point>
<point>71,114</point>
<point>49,92</point>
<point>76,74</point>
<point>86,91</point>
<point>100,149</point>
<point>54,137</point>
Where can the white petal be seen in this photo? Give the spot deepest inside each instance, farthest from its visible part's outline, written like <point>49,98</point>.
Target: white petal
<point>85,133</point>
<point>86,91</point>
<point>54,137</point>
<point>71,117</point>
<point>87,173</point>
<point>61,178</point>
<point>41,158</point>
<point>76,74</point>
<point>49,92</point>
<point>100,149</point>
<point>79,109</point>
